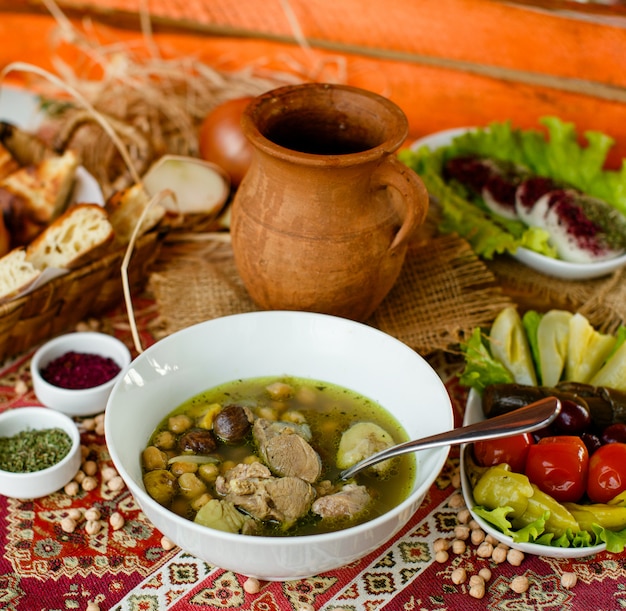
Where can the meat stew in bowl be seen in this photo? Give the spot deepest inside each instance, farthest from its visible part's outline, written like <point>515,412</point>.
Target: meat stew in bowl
<point>262,457</point>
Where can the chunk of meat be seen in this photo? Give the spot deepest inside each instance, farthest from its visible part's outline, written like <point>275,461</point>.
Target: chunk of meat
<point>285,451</point>
<point>254,490</point>
<point>351,500</point>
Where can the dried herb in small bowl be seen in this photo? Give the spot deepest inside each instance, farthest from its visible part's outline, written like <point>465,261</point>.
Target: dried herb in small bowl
<point>33,450</point>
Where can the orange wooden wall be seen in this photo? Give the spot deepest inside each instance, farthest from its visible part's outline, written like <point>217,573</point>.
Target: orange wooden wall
<point>446,63</point>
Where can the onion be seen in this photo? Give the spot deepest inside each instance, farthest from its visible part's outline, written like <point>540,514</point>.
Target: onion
<point>221,139</point>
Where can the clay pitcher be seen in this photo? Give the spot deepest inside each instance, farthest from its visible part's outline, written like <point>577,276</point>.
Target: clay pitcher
<point>322,218</point>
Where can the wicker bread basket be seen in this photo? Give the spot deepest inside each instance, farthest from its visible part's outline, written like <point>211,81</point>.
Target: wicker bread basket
<point>63,302</point>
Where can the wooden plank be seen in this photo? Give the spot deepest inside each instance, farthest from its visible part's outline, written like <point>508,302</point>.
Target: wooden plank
<point>433,64</point>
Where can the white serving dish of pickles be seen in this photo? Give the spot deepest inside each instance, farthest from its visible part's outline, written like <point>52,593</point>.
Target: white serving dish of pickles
<point>474,413</point>
<point>570,349</point>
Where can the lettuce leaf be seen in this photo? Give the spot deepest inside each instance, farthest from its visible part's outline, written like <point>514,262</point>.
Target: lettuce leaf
<point>535,532</point>
<point>481,368</point>
<point>556,152</point>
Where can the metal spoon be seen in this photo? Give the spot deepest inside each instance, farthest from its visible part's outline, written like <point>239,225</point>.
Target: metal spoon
<point>523,420</point>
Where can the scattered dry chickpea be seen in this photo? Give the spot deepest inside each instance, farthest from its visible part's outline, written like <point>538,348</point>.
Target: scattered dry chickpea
<point>68,525</point>
<point>455,480</point>
<point>93,527</point>
<point>458,546</point>
<point>441,556</point>
<point>116,520</point>
<point>485,573</point>
<point>71,488</point>
<point>519,584</point>
<point>252,585</point>
<point>491,539</point>
<point>167,544</point>
<point>89,483</point>
<point>462,532</point>
<point>474,525</point>
<point>569,580</point>
<point>498,555</point>
<point>476,580</point>
<point>477,536</point>
<point>484,550</point>
<point>116,483</point>
<point>84,452</point>
<point>458,576</point>
<point>108,473</point>
<point>99,430</point>
<point>477,590</point>
<point>88,424</point>
<point>463,516</point>
<point>515,557</point>
<point>20,388</point>
<point>80,476</point>
<point>92,606</point>
<point>90,467</point>
<point>75,513</point>
<point>441,545</point>
<point>93,514</point>
<point>456,501</point>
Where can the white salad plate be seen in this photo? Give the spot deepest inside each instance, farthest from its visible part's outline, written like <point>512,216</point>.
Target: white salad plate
<point>474,413</point>
<point>21,108</point>
<point>546,265</point>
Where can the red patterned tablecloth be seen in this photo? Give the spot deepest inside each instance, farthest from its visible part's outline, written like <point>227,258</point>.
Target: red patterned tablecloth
<point>43,568</point>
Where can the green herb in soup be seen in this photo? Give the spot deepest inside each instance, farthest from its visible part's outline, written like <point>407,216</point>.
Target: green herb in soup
<point>263,456</point>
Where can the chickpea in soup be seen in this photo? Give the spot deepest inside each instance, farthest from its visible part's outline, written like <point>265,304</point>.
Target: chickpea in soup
<point>262,457</point>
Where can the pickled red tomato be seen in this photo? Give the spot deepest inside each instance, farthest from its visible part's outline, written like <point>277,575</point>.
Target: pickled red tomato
<point>511,450</point>
<point>558,466</point>
<point>607,475</point>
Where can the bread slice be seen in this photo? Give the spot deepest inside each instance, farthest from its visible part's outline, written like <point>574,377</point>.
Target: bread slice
<point>125,208</point>
<point>43,190</point>
<point>8,164</point>
<point>80,235</point>
<point>16,273</point>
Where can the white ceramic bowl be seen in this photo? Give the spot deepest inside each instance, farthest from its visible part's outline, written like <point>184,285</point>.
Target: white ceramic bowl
<point>77,402</point>
<point>49,480</point>
<point>474,413</point>
<point>314,346</point>
<point>556,268</point>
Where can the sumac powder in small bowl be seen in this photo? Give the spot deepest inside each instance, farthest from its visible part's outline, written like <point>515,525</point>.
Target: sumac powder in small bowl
<point>74,373</point>
<point>78,370</point>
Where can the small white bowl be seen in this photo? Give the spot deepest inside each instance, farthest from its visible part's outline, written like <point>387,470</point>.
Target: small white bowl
<point>549,266</point>
<point>39,483</point>
<point>77,402</point>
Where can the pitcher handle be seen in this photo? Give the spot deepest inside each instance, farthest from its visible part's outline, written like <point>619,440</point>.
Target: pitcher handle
<point>393,173</point>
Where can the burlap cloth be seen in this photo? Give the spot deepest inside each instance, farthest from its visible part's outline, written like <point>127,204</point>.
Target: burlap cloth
<point>443,292</point>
